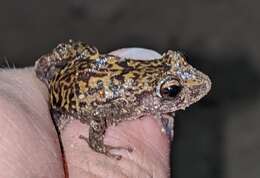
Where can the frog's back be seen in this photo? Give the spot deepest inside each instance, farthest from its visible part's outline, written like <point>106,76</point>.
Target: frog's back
<point>69,87</point>
<point>80,79</point>
<point>48,65</point>
<point>60,71</point>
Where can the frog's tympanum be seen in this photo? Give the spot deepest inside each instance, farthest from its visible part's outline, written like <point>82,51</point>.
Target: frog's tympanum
<point>103,90</point>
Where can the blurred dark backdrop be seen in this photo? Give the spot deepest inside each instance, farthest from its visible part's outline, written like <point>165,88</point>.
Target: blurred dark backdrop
<point>217,138</point>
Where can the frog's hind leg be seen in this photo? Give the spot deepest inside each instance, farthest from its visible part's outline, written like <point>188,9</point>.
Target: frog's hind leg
<point>96,140</point>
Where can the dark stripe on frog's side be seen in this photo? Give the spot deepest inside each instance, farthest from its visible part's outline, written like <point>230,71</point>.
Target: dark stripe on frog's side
<point>56,98</point>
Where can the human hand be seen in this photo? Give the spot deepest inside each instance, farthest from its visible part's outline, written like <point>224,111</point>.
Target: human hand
<point>30,146</point>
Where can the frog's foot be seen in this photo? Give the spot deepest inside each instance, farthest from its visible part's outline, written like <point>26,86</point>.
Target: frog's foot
<point>100,147</point>
<point>109,148</point>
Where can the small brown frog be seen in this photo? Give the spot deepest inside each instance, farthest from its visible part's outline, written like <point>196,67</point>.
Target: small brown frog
<point>103,90</point>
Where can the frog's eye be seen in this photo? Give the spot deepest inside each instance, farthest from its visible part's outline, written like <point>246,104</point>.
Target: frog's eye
<point>170,89</point>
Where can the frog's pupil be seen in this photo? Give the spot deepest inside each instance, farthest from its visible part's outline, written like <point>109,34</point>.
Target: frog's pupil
<point>171,91</point>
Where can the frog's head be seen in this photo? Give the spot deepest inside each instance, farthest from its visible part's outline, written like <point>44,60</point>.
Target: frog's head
<point>181,85</point>
<point>47,65</point>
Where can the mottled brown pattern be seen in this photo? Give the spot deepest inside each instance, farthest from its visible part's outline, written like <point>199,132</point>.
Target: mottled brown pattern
<point>104,90</point>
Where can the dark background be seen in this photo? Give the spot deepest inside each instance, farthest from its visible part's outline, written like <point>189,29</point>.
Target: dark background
<point>218,137</point>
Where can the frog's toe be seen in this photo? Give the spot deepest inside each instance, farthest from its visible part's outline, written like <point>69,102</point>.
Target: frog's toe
<point>127,148</point>
<point>109,148</point>
<point>114,156</point>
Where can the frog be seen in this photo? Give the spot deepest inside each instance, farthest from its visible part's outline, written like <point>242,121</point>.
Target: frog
<point>103,90</point>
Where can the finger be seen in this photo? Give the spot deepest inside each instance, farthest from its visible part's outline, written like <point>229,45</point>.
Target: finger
<point>29,144</point>
<point>150,157</point>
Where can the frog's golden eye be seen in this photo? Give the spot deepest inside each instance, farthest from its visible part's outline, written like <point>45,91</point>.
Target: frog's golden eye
<point>170,89</point>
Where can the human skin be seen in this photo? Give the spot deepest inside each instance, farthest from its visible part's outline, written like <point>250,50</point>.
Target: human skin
<point>30,146</point>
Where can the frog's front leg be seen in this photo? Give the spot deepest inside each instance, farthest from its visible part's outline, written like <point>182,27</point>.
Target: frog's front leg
<point>167,123</point>
<point>96,139</point>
